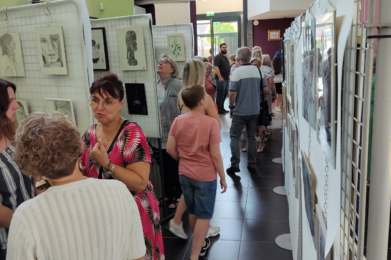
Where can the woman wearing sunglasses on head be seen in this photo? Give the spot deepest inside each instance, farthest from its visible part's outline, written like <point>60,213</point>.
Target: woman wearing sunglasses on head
<point>168,87</point>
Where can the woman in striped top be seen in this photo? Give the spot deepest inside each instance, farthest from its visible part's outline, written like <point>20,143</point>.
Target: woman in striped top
<point>15,188</point>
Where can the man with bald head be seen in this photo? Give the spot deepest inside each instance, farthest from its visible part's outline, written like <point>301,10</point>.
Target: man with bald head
<point>244,100</point>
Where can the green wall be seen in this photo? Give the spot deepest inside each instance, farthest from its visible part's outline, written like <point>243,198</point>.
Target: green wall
<point>112,8</point>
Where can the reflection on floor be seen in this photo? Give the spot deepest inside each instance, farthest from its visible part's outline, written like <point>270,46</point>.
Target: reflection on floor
<point>249,214</point>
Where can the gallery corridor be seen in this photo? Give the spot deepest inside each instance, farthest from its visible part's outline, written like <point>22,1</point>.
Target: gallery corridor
<point>250,215</point>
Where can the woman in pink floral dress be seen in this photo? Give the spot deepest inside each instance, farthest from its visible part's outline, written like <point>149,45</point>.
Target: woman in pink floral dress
<point>117,149</point>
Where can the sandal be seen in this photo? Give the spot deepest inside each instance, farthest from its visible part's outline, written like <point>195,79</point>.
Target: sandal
<point>260,150</point>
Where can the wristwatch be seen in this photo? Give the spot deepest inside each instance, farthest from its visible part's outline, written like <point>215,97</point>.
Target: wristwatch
<point>110,169</point>
<point>231,107</point>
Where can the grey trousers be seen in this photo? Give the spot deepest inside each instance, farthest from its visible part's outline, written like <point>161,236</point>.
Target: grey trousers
<point>237,126</point>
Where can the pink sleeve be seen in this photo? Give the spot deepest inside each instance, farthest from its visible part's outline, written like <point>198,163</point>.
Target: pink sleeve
<point>215,136</point>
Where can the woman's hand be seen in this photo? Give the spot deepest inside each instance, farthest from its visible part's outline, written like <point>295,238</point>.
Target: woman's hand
<point>99,154</point>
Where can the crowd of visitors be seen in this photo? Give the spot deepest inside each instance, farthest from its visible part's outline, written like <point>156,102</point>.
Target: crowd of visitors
<point>66,197</point>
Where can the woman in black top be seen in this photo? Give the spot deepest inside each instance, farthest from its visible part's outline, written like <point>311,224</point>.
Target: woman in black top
<point>15,188</point>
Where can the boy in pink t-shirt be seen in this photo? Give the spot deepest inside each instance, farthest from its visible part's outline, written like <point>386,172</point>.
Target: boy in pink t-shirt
<point>194,141</point>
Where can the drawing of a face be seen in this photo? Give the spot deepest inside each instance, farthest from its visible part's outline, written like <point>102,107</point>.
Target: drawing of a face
<point>7,44</point>
<point>50,47</point>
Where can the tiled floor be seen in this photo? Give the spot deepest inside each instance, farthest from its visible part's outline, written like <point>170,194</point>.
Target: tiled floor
<point>249,214</point>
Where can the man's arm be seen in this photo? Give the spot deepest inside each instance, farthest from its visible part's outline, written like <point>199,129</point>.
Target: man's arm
<point>232,95</point>
<point>217,71</point>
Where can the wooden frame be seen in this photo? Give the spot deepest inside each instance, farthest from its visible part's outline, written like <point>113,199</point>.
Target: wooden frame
<point>176,49</point>
<point>273,35</point>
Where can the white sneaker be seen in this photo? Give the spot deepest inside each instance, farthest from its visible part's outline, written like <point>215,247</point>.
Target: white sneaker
<point>213,231</point>
<point>177,229</point>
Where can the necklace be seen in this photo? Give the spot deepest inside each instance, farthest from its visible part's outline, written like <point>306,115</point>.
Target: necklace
<point>108,138</point>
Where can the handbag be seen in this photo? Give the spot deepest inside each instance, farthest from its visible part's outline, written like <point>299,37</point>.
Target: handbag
<point>264,108</point>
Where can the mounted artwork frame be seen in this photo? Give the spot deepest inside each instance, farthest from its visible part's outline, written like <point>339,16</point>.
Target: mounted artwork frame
<point>22,112</point>
<point>63,106</point>
<point>11,58</point>
<point>176,47</point>
<point>273,35</point>
<point>100,53</point>
<point>51,50</point>
<point>131,48</point>
<point>136,99</point>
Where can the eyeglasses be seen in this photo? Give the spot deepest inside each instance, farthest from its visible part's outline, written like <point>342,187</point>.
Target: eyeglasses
<point>164,61</point>
<point>107,103</point>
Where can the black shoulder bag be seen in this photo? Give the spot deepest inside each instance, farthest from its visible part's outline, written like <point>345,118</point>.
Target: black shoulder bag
<point>264,108</point>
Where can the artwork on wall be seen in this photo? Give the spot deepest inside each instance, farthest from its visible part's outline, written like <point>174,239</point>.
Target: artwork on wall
<point>321,233</point>
<point>309,60</point>
<point>273,35</point>
<point>284,102</point>
<point>63,106</point>
<point>22,112</point>
<point>326,84</point>
<point>100,56</point>
<point>293,143</point>
<point>292,81</point>
<point>309,185</point>
<point>11,59</point>
<point>51,50</point>
<point>136,98</point>
<point>131,48</point>
<point>300,224</point>
<point>176,47</point>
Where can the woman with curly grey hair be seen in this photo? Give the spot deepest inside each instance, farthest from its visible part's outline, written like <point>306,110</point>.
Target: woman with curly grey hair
<point>77,217</point>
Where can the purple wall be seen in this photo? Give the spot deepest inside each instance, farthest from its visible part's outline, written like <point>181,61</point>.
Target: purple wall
<point>261,32</point>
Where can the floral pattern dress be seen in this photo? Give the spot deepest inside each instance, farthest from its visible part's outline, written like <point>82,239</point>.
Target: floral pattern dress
<point>130,147</point>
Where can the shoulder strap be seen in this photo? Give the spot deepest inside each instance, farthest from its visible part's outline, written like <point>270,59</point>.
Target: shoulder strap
<point>263,94</point>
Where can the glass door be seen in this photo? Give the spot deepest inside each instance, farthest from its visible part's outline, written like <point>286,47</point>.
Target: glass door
<point>226,32</point>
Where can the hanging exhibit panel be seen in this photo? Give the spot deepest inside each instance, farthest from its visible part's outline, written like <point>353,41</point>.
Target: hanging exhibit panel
<point>308,72</point>
<point>100,55</point>
<point>51,50</point>
<point>326,84</point>
<point>11,59</point>
<point>64,106</point>
<point>131,48</point>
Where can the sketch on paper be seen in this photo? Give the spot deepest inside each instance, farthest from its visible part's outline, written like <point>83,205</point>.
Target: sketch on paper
<point>308,71</point>
<point>136,99</point>
<point>100,56</point>
<point>63,106</point>
<point>131,48</point>
<point>51,50</point>
<point>22,112</point>
<point>326,84</point>
<point>176,47</point>
<point>11,59</point>
<point>308,198</point>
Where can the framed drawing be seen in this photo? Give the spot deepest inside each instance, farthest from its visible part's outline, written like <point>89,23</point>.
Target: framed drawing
<point>273,35</point>
<point>22,112</point>
<point>63,106</point>
<point>11,59</point>
<point>100,55</point>
<point>176,47</point>
<point>131,48</point>
<point>136,99</point>
<point>51,50</point>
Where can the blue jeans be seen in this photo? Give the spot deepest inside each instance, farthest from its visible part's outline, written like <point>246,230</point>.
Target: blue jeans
<point>237,126</point>
<point>222,92</point>
<point>200,196</point>
<point>3,254</point>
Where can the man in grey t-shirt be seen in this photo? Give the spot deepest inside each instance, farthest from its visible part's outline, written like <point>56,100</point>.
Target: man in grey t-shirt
<point>244,100</point>
<point>222,69</point>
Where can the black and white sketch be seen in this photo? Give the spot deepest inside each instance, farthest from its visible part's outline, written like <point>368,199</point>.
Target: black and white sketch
<point>308,199</point>
<point>11,59</point>
<point>131,48</point>
<point>100,56</point>
<point>51,50</point>
<point>326,84</point>
<point>63,106</point>
<point>22,112</point>
<point>176,47</point>
<point>309,63</point>
<point>136,98</point>
<point>322,232</point>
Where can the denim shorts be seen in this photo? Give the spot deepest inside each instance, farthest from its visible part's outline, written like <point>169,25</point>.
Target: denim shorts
<point>200,196</point>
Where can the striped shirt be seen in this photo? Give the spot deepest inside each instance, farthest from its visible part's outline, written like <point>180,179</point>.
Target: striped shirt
<point>15,187</point>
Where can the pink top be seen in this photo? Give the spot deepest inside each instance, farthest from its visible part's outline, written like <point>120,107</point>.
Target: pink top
<point>209,88</point>
<point>194,134</point>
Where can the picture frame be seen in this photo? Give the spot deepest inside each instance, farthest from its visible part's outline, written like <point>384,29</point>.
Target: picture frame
<point>22,112</point>
<point>64,106</point>
<point>11,57</point>
<point>100,52</point>
<point>176,47</point>
<point>51,50</point>
<point>131,48</point>
<point>136,99</point>
<point>273,35</point>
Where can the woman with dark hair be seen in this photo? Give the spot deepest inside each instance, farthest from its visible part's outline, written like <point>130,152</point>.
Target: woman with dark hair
<point>117,149</point>
<point>77,217</point>
<point>15,188</point>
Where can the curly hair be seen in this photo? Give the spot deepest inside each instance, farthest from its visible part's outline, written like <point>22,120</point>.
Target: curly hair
<point>47,145</point>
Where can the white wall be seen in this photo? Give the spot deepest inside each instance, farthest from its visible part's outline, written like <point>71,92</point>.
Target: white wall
<point>172,13</point>
<point>220,6</point>
<point>138,10</point>
<point>256,7</point>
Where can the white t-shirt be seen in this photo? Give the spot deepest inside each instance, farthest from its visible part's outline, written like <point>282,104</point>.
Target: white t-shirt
<point>88,220</point>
